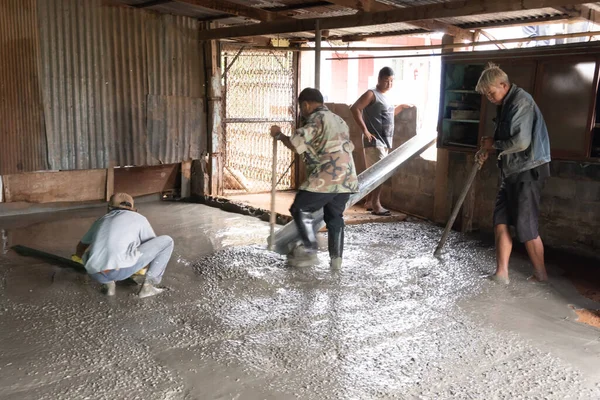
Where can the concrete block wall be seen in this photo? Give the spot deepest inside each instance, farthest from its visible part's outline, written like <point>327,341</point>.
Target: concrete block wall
<point>570,211</point>
<point>570,204</point>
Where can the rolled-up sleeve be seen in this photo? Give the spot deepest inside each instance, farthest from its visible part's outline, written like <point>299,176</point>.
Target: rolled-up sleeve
<point>521,128</point>
<point>302,136</point>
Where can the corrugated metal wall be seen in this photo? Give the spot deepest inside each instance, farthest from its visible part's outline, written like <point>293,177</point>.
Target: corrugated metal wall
<point>99,64</point>
<point>22,136</point>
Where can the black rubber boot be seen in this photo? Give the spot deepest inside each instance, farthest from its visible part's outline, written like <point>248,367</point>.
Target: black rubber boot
<point>304,223</point>
<point>304,255</point>
<point>336,246</point>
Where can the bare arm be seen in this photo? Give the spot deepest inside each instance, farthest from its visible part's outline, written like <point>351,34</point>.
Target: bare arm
<point>81,248</point>
<point>276,133</point>
<point>401,107</point>
<point>357,109</point>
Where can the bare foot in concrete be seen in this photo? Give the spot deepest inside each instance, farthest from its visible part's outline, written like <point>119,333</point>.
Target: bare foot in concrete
<point>109,288</point>
<point>149,290</point>
<point>537,278</point>
<point>502,279</point>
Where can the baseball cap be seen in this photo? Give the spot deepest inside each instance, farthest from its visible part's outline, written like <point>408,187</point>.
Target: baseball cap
<point>121,200</point>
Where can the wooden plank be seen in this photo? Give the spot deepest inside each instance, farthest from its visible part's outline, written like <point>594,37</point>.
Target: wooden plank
<point>408,14</point>
<point>110,182</point>
<point>56,186</point>
<point>186,179</point>
<point>237,9</point>
<point>430,25</point>
<point>139,181</point>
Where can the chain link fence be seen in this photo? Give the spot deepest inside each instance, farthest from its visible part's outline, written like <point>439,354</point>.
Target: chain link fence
<point>259,92</point>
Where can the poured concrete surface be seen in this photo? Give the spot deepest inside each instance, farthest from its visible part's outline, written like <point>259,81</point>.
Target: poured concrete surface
<point>395,322</point>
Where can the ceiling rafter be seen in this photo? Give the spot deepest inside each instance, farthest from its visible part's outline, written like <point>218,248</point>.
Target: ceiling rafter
<point>430,25</point>
<point>237,9</point>
<point>408,14</point>
<point>580,12</point>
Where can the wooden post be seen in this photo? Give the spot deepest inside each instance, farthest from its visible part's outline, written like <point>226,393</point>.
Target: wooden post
<point>214,117</point>
<point>186,179</point>
<point>317,55</point>
<point>442,201</point>
<point>273,216</point>
<point>110,181</point>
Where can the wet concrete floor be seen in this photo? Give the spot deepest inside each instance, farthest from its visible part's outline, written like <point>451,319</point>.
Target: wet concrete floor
<point>394,323</point>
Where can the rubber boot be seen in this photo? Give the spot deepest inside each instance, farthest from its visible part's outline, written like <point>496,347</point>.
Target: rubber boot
<point>305,254</point>
<point>149,290</point>
<point>335,244</point>
<point>109,288</point>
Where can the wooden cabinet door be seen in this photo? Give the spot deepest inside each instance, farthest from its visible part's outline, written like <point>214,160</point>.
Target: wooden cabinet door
<point>565,93</point>
<point>521,74</point>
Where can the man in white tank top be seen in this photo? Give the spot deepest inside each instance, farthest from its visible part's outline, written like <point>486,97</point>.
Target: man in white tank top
<point>374,114</point>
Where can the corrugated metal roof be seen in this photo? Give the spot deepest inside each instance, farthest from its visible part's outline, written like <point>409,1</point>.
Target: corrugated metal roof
<point>100,64</point>
<point>327,11</point>
<point>22,136</point>
<point>512,16</point>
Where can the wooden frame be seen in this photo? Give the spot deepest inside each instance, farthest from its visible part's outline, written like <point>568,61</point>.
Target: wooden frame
<point>539,57</point>
<point>585,153</point>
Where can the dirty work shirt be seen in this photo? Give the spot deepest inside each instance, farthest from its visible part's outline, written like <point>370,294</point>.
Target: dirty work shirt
<point>114,240</point>
<point>324,142</point>
<point>379,120</point>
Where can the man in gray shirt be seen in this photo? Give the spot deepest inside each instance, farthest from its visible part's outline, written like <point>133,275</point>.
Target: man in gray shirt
<point>374,114</point>
<point>121,243</point>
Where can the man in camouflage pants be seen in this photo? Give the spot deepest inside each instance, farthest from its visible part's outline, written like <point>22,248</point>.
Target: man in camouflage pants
<point>324,142</point>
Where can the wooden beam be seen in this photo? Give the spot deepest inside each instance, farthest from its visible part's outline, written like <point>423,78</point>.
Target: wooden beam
<point>296,7</point>
<point>363,5</point>
<point>580,12</point>
<point>447,29</point>
<point>430,25</point>
<point>491,37</point>
<point>237,9</point>
<point>150,3</point>
<point>431,11</point>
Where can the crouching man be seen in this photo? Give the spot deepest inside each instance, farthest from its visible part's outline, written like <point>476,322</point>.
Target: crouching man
<point>324,142</point>
<point>122,243</point>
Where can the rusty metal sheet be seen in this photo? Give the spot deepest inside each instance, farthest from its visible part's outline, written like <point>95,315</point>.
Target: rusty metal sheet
<point>22,137</point>
<point>176,128</point>
<point>93,80</point>
<point>99,65</point>
<point>174,56</point>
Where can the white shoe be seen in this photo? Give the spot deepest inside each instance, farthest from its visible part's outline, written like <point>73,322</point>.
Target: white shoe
<point>109,288</point>
<point>149,290</point>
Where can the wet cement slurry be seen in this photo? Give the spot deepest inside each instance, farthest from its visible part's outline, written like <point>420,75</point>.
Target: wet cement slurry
<point>394,323</point>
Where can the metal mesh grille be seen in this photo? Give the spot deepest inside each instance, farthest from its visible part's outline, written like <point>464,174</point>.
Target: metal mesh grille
<point>259,92</point>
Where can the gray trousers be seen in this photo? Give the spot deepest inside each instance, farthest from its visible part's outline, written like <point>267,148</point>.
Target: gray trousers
<point>155,253</point>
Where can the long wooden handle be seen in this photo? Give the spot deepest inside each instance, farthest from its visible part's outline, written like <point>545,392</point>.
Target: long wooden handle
<point>273,218</point>
<point>476,167</point>
<point>51,258</point>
